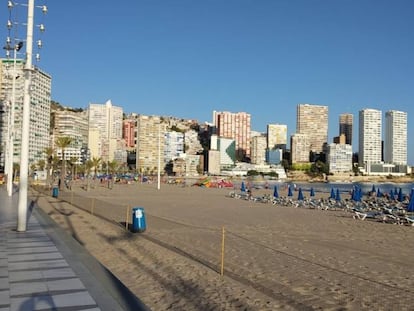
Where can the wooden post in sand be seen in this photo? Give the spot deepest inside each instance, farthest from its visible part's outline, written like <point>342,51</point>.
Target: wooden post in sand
<point>92,205</point>
<point>222,253</point>
<point>127,217</point>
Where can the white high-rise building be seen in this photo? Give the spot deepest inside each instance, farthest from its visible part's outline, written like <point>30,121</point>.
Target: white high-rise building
<point>276,136</point>
<point>72,124</point>
<point>312,120</point>
<point>105,130</point>
<point>370,144</point>
<point>173,145</point>
<point>395,142</point>
<point>299,148</point>
<point>150,143</point>
<point>40,96</point>
<point>258,149</point>
<point>339,158</point>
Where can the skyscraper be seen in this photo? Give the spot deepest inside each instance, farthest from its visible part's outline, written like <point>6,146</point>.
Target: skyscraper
<point>258,150</point>
<point>39,130</point>
<point>173,145</point>
<point>299,148</point>
<point>395,144</point>
<point>370,144</point>
<point>150,142</point>
<point>235,126</point>
<point>312,120</point>
<point>345,126</point>
<point>73,124</point>
<point>105,129</point>
<point>276,136</point>
<point>128,133</point>
<point>339,157</point>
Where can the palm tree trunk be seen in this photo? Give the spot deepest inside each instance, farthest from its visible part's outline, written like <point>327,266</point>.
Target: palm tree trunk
<point>62,173</point>
<point>87,183</point>
<point>48,175</point>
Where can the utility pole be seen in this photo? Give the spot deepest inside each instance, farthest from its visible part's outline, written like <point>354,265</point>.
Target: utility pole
<point>24,156</point>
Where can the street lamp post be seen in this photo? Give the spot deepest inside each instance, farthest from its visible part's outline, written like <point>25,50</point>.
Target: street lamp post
<point>24,155</point>
<point>159,157</point>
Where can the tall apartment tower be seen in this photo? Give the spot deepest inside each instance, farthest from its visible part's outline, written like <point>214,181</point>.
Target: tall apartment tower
<point>370,144</point>
<point>39,128</point>
<point>73,124</point>
<point>173,145</point>
<point>345,126</point>
<point>236,126</point>
<point>128,133</point>
<point>276,136</point>
<point>312,120</point>
<point>6,82</point>
<point>258,149</point>
<point>150,142</point>
<point>299,148</point>
<point>395,144</point>
<point>105,129</point>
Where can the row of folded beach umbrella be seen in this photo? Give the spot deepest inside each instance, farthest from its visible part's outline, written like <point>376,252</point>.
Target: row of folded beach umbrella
<point>356,195</point>
<point>334,195</point>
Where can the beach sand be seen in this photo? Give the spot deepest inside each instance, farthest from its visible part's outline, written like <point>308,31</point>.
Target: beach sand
<point>275,258</point>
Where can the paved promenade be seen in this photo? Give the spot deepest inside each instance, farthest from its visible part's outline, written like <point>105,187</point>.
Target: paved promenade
<point>45,269</point>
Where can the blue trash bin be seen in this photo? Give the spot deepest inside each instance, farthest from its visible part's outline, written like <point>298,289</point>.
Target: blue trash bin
<point>138,220</point>
<point>55,192</point>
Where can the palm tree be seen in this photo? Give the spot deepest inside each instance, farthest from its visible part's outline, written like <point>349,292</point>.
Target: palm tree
<point>62,143</point>
<point>73,168</point>
<point>41,164</point>
<point>55,164</point>
<point>33,167</point>
<point>88,167</point>
<point>73,164</point>
<point>104,167</point>
<point>96,162</point>
<point>112,168</point>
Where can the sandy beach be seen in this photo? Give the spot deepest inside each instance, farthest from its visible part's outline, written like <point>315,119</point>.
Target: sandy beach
<point>275,258</point>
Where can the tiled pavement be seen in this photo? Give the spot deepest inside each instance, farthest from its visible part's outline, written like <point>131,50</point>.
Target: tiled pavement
<point>44,269</point>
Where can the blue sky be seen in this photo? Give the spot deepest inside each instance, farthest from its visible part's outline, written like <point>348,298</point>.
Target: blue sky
<point>186,58</point>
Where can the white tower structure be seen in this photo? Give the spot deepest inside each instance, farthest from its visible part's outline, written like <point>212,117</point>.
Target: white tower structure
<point>73,124</point>
<point>370,144</point>
<point>105,124</point>
<point>173,145</point>
<point>395,144</point>
<point>39,133</point>
<point>276,135</point>
<point>312,120</point>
